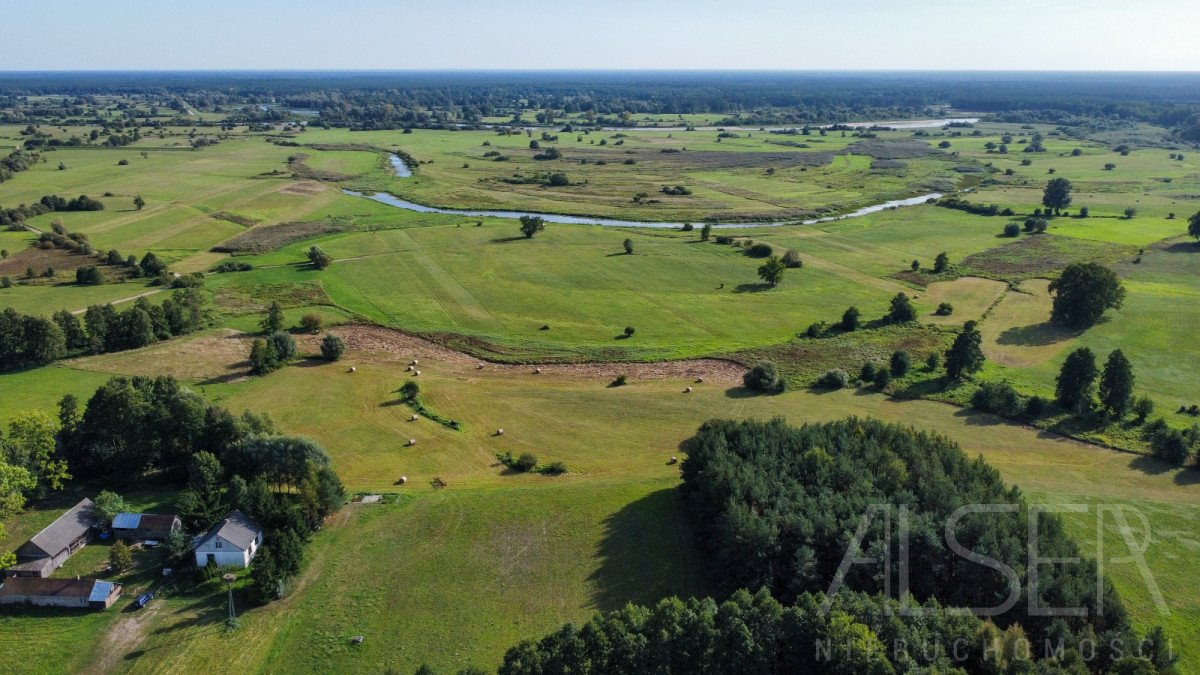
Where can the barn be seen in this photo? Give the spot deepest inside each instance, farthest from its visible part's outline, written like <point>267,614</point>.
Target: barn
<point>70,593</point>
<point>143,526</point>
<point>50,548</point>
<point>233,542</point>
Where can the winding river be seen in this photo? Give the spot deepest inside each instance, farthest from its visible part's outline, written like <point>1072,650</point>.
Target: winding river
<point>403,171</point>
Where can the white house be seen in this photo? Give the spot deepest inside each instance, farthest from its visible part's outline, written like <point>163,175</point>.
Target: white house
<point>233,542</point>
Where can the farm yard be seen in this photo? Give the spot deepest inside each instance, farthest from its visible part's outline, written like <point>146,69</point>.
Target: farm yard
<point>507,411</point>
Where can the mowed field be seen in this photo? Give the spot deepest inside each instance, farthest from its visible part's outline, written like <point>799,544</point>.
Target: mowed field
<point>453,576</point>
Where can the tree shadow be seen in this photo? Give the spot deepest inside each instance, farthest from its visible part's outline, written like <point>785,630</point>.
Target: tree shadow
<point>1036,335</point>
<point>1183,247</point>
<point>752,288</point>
<point>743,392</point>
<point>647,553</point>
<point>505,240</point>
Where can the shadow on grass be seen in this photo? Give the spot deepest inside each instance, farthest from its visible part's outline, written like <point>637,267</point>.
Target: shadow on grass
<point>647,553</point>
<point>747,392</point>
<point>752,288</point>
<point>505,240</point>
<point>1036,335</point>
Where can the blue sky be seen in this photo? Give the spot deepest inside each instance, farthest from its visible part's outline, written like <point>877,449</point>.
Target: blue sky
<point>603,34</point>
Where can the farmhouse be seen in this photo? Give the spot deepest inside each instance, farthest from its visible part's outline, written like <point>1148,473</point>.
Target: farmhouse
<point>232,542</point>
<point>91,593</point>
<point>50,548</point>
<point>143,526</point>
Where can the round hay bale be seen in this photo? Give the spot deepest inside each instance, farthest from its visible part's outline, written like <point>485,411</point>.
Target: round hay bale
<point>416,372</point>
<point>353,369</point>
<point>499,432</point>
<point>403,480</point>
<point>412,441</point>
<point>409,369</point>
<point>673,460</point>
<point>537,371</point>
<point>687,390</point>
<point>414,418</point>
<point>414,362</point>
<point>699,380</point>
<point>479,367</point>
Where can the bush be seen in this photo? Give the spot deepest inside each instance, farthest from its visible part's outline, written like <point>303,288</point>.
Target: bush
<point>933,361</point>
<point>311,323</point>
<point>901,363</point>
<point>866,374</point>
<point>999,398</point>
<point>1035,407</point>
<point>764,377</point>
<point>629,331</point>
<point>1012,230</point>
<point>815,330</point>
<point>228,266</point>
<point>1170,445</point>
<point>621,381</point>
<point>556,468</point>
<point>410,390</point>
<point>850,319</point>
<point>559,179</point>
<point>759,250</point>
<point>120,556</point>
<point>688,227</point>
<point>792,259</point>
<point>902,310</point>
<point>333,347</point>
<point>883,377</point>
<point>319,258</point>
<point>526,462</point>
<point>833,379</point>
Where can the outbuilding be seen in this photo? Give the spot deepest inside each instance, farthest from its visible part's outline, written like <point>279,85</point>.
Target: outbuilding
<point>233,542</point>
<point>50,548</point>
<point>70,593</point>
<point>143,526</point>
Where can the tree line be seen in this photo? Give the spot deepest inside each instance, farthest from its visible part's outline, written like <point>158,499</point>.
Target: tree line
<point>28,341</point>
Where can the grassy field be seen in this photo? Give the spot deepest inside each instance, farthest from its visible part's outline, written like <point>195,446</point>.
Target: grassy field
<point>495,557</point>
<point>453,576</point>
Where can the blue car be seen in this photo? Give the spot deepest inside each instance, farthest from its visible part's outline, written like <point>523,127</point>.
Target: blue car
<point>143,600</point>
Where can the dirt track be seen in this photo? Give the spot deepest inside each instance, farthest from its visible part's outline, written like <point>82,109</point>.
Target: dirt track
<point>393,345</point>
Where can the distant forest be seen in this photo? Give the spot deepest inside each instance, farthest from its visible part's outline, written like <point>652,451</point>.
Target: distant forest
<point>393,99</point>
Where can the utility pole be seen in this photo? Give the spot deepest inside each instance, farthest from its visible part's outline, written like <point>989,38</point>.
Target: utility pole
<point>229,579</point>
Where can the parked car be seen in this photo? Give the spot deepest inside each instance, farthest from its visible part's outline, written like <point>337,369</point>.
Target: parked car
<point>143,600</point>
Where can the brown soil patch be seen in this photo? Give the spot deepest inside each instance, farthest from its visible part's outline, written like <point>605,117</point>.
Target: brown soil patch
<point>215,357</point>
<point>304,188</point>
<point>39,259</point>
<point>271,237</point>
<point>392,345</point>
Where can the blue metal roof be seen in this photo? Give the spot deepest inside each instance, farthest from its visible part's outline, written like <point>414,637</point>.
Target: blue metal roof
<point>126,521</point>
<point>100,591</point>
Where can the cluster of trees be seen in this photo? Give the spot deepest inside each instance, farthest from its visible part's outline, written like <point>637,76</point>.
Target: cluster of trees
<point>30,466</point>
<point>134,427</point>
<point>16,162</point>
<point>771,506</point>
<point>80,203</point>
<point>755,634</point>
<point>960,204</point>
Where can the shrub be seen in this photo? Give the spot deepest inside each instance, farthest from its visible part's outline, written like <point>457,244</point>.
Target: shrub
<point>1130,212</point>
<point>628,245</point>
<point>883,377</point>
<point>332,347</point>
<point>850,319</point>
<point>867,372</point>
<point>901,363</point>
<point>997,397</point>
<point>833,379</point>
<point>556,468</point>
<point>410,390</point>
<point>1036,406</point>
<point>759,250</point>
<point>764,377</point>
<point>621,381</point>
<point>120,556</point>
<point>944,309</point>
<point>933,361</point>
<point>815,329</point>
<point>1012,230</point>
<point>89,275</point>
<point>526,462</point>
<point>311,323</point>
<point>1142,408</point>
<point>1169,445</point>
<point>792,259</point>
<point>629,331</point>
<point>902,310</point>
<point>319,258</point>
<point>688,227</point>
<point>559,179</point>
<point>1084,212</point>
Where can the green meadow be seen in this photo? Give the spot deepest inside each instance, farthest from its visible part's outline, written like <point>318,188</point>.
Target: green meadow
<point>452,576</point>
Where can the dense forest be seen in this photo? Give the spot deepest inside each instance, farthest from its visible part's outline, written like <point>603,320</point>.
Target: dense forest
<point>372,100</point>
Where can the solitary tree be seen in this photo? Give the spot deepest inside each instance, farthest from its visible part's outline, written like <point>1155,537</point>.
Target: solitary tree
<point>706,231</point>
<point>764,377</point>
<point>1194,226</point>
<point>531,225</point>
<point>138,202</point>
<point>1075,380</point>
<point>120,556</point>
<point>965,356</point>
<point>901,363</point>
<point>902,310</point>
<point>772,270</point>
<point>850,319</point>
<point>273,321</point>
<point>1116,385</point>
<point>941,262</point>
<point>319,258</point>
<point>1057,195</point>
<point>628,244</point>
<point>1083,292</point>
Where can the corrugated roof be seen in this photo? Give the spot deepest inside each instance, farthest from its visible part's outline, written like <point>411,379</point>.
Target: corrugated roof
<point>69,527</point>
<point>100,591</point>
<point>126,521</point>
<point>236,528</point>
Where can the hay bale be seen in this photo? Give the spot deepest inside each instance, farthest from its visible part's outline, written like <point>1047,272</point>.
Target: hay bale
<point>412,442</point>
<point>414,418</point>
<point>687,390</point>
<point>414,362</point>
<point>357,639</point>
<point>402,481</point>
<point>537,371</point>
<point>699,380</point>
<point>499,432</point>
<point>673,460</point>
<point>409,369</point>
<point>479,367</point>
<point>416,372</point>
